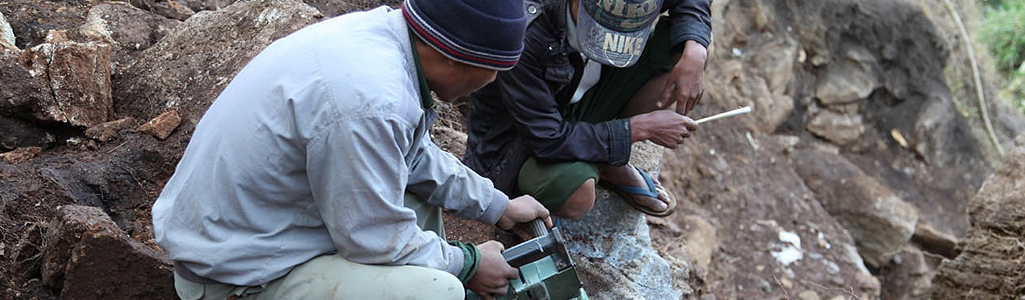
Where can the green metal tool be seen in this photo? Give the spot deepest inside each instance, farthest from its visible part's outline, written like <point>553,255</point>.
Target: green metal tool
<point>546,270</point>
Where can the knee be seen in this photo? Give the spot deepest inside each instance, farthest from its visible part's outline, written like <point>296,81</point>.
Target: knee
<point>579,203</point>
<point>443,286</point>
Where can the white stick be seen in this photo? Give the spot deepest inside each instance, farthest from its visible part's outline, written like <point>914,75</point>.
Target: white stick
<point>742,110</point>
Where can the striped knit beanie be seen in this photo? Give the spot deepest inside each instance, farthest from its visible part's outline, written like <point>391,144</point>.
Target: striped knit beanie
<point>483,33</point>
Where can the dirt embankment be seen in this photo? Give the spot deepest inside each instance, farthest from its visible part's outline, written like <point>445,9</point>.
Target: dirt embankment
<point>850,179</point>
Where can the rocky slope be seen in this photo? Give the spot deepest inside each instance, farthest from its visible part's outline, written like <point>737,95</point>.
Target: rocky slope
<point>850,179</point>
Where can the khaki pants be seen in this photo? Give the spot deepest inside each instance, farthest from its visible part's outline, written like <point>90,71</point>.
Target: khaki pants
<point>334,277</point>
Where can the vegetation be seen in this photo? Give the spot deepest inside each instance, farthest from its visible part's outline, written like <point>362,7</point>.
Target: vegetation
<point>1003,32</point>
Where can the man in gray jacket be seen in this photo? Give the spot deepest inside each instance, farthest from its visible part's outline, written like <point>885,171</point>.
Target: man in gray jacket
<point>312,176</point>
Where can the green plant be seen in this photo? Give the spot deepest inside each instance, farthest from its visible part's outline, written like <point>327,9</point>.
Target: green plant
<point>1003,32</point>
<point>1015,89</point>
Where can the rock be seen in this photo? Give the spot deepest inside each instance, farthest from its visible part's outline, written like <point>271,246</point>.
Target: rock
<point>775,63</point>
<point>21,93</point>
<point>74,222</point>
<point>938,135</point>
<point>161,126</point>
<point>201,5</point>
<point>171,9</point>
<point>701,242</point>
<point>32,21</point>
<point>332,8</point>
<point>990,267</point>
<point>935,241</point>
<point>21,154</point>
<point>109,131</point>
<point>126,28</point>
<point>808,295</point>
<point>80,262</point>
<point>79,76</point>
<point>839,128</point>
<point>772,109</point>
<point>7,38</point>
<point>188,68</point>
<point>611,246</point>
<point>880,222</point>
<point>909,277</point>
<point>850,79</point>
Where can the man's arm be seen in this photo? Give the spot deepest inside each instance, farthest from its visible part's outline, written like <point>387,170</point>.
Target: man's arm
<point>358,177</point>
<point>442,180</point>
<point>526,94</point>
<point>691,34</point>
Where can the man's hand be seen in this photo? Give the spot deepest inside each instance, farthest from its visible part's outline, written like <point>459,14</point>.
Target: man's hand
<point>663,127</point>
<point>685,85</point>
<point>521,210</point>
<point>493,273</point>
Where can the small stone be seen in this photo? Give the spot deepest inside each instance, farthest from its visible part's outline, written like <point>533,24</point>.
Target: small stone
<point>764,285</point>
<point>162,126</point>
<point>21,154</point>
<point>786,283</point>
<point>108,131</point>
<point>809,295</point>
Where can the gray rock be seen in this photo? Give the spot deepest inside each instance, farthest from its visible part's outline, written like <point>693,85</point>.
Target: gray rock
<point>839,128</point>
<point>172,9</point>
<point>850,79</point>
<point>612,246</point>
<point>880,222</point>
<point>126,28</point>
<point>7,37</point>
<point>909,277</point>
<point>189,67</point>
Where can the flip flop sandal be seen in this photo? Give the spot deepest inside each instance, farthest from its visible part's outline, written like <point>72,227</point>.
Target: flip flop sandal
<point>653,191</point>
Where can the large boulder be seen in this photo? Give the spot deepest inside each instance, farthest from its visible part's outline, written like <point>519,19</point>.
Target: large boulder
<point>78,75</point>
<point>990,265</point>
<point>612,247</point>
<point>188,68</point>
<point>127,28</point>
<point>880,222</point>
<point>20,97</point>
<point>81,262</point>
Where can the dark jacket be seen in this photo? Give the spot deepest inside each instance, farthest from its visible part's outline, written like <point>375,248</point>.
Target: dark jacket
<point>519,115</point>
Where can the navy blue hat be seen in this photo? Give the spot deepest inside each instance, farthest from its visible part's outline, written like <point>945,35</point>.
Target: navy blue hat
<point>483,33</point>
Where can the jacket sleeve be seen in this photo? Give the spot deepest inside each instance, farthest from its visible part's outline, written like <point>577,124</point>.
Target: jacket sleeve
<point>441,179</point>
<point>691,20</point>
<point>539,122</point>
<point>358,179</point>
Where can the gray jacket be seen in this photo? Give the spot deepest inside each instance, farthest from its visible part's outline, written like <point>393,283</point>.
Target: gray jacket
<point>310,150</point>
